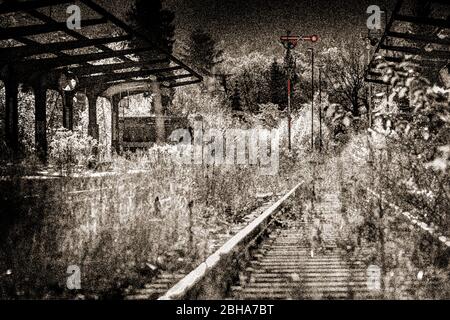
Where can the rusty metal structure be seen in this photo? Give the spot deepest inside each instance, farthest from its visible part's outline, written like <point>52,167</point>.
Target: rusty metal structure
<point>423,34</point>
<point>38,49</point>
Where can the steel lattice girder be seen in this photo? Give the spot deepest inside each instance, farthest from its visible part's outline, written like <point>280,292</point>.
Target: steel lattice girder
<point>22,60</point>
<point>440,56</point>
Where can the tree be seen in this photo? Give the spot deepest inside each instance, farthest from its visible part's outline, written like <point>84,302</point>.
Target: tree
<point>149,18</point>
<point>345,73</point>
<point>251,74</point>
<point>235,98</point>
<point>249,83</point>
<point>277,85</point>
<point>203,52</point>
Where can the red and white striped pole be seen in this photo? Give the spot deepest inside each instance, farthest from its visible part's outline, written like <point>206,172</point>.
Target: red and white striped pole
<point>290,42</point>
<point>289,113</point>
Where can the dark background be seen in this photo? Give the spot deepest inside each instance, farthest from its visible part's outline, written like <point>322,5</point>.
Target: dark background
<point>256,25</point>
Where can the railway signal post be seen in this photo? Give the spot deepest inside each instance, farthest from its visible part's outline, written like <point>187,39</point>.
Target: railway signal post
<point>290,42</point>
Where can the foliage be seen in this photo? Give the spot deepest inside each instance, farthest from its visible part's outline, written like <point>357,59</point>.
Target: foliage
<point>202,52</point>
<point>149,17</point>
<point>236,104</point>
<point>251,76</point>
<point>69,149</point>
<point>54,117</point>
<point>419,114</point>
<point>26,121</point>
<point>269,116</point>
<point>277,84</point>
<point>113,225</point>
<point>404,158</point>
<point>417,129</point>
<point>259,79</point>
<point>191,101</point>
<point>157,24</point>
<point>344,74</point>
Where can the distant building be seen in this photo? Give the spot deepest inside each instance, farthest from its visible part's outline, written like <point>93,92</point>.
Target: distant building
<point>137,133</point>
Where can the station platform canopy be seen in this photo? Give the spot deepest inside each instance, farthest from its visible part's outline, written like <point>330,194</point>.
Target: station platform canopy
<point>37,45</point>
<point>420,32</point>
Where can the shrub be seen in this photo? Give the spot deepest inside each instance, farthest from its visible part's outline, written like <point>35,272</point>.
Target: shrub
<point>69,149</point>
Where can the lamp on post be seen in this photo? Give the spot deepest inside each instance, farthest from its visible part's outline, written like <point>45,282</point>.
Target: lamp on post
<point>312,98</point>
<point>320,107</point>
<point>67,83</point>
<point>289,42</point>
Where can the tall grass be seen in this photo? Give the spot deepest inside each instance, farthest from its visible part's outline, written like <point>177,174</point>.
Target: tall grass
<point>149,210</point>
<point>413,263</point>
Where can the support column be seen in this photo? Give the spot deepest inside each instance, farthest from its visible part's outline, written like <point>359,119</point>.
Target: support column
<point>159,112</point>
<point>40,98</point>
<point>369,105</point>
<point>312,100</point>
<point>93,130</point>
<point>68,109</point>
<point>369,100</point>
<point>11,116</point>
<point>115,100</point>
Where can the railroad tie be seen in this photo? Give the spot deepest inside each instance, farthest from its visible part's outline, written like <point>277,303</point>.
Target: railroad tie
<point>288,270</point>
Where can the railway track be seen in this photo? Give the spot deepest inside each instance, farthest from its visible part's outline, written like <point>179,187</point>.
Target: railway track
<point>288,271</point>
<point>290,262</point>
<point>287,253</point>
<point>290,266</point>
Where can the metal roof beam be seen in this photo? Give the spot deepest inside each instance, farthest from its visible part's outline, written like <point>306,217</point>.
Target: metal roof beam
<point>174,78</point>
<point>416,61</point>
<point>99,9</point>
<point>15,6</point>
<point>23,31</point>
<point>418,37</point>
<point>16,53</point>
<point>440,54</point>
<point>124,75</point>
<point>440,23</point>
<point>397,8</point>
<point>46,19</point>
<point>26,68</point>
<point>50,63</point>
<point>103,68</point>
<point>377,81</point>
<point>184,83</point>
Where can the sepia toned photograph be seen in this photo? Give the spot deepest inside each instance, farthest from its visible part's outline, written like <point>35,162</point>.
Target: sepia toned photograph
<point>224,150</point>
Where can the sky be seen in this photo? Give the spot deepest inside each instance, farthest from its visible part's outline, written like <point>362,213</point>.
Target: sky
<point>244,26</point>
<point>256,25</point>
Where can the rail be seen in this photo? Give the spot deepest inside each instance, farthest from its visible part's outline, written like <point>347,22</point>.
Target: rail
<point>209,279</point>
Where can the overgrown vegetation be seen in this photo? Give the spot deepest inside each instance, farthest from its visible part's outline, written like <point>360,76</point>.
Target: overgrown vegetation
<point>118,217</point>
